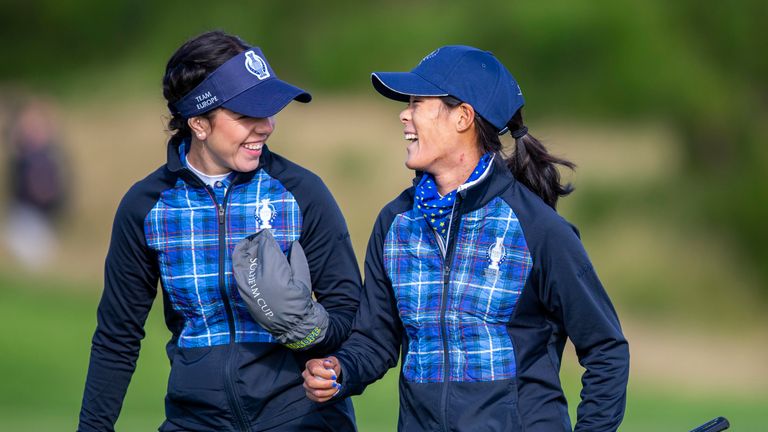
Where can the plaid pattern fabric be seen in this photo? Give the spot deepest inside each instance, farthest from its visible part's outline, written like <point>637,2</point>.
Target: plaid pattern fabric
<point>183,229</point>
<point>489,268</point>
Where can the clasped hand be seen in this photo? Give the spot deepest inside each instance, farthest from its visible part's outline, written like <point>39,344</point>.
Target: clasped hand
<point>322,378</point>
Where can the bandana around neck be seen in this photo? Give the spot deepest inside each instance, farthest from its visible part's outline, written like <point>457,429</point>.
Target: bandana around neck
<point>437,209</point>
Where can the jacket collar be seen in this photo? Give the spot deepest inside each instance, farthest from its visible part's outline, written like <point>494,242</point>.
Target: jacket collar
<point>176,166</point>
<point>495,180</point>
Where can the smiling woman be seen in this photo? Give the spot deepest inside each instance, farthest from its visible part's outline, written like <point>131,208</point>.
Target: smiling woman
<point>472,278</point>
<point>220,187</point>
<point>429,124</point>
<point>226,141</point>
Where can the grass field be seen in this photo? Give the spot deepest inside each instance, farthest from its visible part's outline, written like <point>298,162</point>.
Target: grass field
<point>45,357</point>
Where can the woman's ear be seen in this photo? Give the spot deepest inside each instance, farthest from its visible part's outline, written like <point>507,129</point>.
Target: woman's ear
<point>466,117</point>
<point>201,127</point>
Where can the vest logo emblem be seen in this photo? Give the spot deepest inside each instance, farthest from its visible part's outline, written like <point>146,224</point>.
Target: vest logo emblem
<point>496,255</point>
<point>265,214</point>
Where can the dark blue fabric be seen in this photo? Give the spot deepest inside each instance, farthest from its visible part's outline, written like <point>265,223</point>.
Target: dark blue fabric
<point>246,84</point>
<point>561,298</point>
<point>473,76</point>
<point>242,382</point>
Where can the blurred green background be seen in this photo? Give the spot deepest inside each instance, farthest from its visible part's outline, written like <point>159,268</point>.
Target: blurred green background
<point>663,106</point>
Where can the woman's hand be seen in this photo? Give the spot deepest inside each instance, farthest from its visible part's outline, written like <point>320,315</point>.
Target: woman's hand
<point>320,378</point>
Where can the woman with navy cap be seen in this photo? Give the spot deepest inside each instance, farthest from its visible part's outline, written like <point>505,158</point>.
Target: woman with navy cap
<point>472,275</point>
<point>221,185</point>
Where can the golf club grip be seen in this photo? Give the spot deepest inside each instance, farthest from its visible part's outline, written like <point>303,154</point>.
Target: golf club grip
<point>714,425</point>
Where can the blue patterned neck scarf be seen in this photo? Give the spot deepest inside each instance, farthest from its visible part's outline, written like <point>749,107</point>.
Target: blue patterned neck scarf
<point>437,209</point>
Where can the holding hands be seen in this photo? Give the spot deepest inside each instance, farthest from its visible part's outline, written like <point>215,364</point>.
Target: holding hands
<point>321,378</point>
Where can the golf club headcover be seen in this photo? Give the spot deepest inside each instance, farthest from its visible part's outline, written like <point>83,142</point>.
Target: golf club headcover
<point>278,293</point>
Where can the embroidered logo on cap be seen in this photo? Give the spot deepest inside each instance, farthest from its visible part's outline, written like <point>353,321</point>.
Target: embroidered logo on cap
<point>429,56</point>
<point>205,100</point>
<point>256,65</point>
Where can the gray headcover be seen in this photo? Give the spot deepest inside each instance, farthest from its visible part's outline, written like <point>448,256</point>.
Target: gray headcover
<point>279,293</point>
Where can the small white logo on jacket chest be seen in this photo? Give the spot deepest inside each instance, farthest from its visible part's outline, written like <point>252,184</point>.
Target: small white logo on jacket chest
<point>265,214</point>
<point>496,255</point>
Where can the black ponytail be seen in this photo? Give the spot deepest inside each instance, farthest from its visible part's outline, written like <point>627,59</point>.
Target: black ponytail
<point>529,162</point>
<point>534,166</point>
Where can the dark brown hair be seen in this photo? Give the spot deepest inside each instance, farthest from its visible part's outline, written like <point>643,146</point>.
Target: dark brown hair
<point>530,162</point>
<point>189,66</point>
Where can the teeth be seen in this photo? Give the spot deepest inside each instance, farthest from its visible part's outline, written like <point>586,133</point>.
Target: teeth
<point>252,146</point>
<point>411,137</point>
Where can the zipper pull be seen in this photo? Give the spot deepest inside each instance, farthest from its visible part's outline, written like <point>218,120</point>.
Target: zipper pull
<point>221,214</point>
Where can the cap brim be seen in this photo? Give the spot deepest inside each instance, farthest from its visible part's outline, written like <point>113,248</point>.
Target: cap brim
<point>400,86</point>
<point>266,99</point>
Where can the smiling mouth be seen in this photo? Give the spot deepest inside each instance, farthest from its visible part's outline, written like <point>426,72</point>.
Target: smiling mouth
<point>253,146</point>
<point>411,137</point>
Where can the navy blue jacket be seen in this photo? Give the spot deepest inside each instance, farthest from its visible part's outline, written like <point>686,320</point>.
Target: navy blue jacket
<point>482,321</point>
<point>227,373</point>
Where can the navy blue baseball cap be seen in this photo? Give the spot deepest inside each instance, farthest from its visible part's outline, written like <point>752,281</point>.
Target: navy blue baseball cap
<point>469,74</point>
<point>245,84</point>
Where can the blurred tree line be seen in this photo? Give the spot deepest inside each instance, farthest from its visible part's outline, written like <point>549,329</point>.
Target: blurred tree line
<point>696,65</point>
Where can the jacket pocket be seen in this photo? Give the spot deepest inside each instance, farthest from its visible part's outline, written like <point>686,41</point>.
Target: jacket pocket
<point>488,406</point>
<point>269,385</point>
<point>195,385</point>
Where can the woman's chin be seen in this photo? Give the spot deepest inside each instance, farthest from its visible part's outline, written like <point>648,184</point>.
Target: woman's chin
<point>244,168</point>
<point>414,164</point>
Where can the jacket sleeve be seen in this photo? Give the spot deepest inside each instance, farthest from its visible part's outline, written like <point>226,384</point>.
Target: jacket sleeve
<point>572,292</point>
<point>332,265</point>
<point>374,344</point>
<point>130,286</point>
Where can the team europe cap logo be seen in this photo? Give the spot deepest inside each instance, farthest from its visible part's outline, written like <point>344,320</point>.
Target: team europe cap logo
<point>256,65</point>
<point>471,75</point>
<point>245,84</point>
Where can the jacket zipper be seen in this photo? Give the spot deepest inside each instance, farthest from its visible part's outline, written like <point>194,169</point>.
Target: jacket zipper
<point>446,250</point>
<point>229,384</point>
